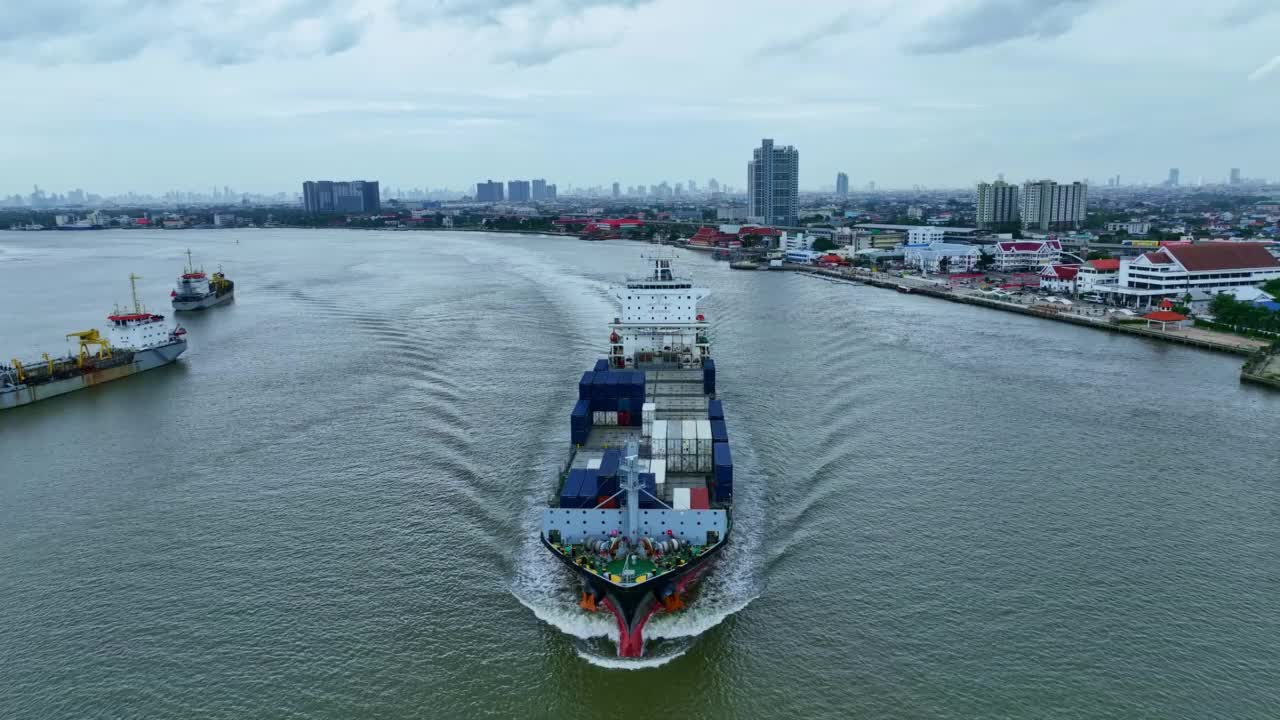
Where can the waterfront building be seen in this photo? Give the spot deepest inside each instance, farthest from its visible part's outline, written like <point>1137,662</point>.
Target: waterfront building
<point>349,196</point>
<point>489,191</point>
<point>1133,227</point>
<point>842,184</point>
<point>773,177</point>
<point>997,204</point>
<point>1026,254</point>
<point>1098,276</point>
<point>1048,205</point>
<point>1174,271</point>
<point>518,190</point>
<point>1060,278</point>
<point>924,235</point>
<point>929,258</point>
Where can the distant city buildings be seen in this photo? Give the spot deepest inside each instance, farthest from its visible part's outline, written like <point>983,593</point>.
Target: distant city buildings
<point>1235,176</point>
<point>617,189</point>
<point>842,185</point>
<point>997,204</point>
<point>344,196</point>
<point>539,190</point>
<point>518,190</point>
<point>489,191</point>
<point>773,177</point>
<point>1173,180</point>
<point>1047,205</point>
<point>713,185</point>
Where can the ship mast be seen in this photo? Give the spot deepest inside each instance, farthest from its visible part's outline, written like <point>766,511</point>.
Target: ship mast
<point>133,285</point>
<point>630,478</point>
<point>190,265</point>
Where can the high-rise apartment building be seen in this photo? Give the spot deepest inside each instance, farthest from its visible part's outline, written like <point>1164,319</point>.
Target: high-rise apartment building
<point>1046,205</point>
<point>351,196</point>
<point>539,190</point>
<point>1173,177</point>
<point>842,184</point>
<point>518,190</point>
<point>617,190</point>
<point>997,204</point>
<point>489,191</point>
<point>551,191</point>
<point>1235,176</point>
<point>773,178</point>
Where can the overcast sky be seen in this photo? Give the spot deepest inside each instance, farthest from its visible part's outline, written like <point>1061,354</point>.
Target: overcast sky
<point>150,95</point>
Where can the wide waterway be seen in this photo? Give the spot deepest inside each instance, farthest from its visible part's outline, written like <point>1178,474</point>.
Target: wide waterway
<point>328,507</point>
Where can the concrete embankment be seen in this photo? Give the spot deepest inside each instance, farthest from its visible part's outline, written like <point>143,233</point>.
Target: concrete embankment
<point>1263,369</point>
<point>918,287</point>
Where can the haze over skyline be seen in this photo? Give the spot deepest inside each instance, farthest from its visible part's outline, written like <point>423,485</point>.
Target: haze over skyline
<point>119,95</point>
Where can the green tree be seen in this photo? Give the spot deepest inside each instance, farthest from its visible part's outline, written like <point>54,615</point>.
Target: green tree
<point>1098,255</point>
<point>824,244</point>
<point>985,260</point>
<point>944,262</point>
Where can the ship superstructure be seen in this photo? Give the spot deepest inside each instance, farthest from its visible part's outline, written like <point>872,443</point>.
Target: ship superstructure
<point>198,290</point>
<point>645,499</point>
<point>136,340</point>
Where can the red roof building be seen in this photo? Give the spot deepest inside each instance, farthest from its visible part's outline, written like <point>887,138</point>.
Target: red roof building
<point>1175,271</point>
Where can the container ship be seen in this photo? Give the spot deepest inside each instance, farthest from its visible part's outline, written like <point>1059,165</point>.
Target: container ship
<point>645,499</point>
<point>135,341</point>
<point>197,290</point>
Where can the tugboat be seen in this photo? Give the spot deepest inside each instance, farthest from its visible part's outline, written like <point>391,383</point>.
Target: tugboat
<point>136,341</point>
<point>646,497</point>
<point>197,291</point>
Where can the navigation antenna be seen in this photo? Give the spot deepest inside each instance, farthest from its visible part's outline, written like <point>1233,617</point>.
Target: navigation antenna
<point>133,285</point>
<point>190,265</point>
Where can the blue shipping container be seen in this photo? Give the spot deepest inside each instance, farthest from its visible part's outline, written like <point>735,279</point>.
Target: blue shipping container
<point>610,463</point>
<point>584,385</point>
<point>589,490</point>
<point>719,431</point>
<point>569,493</point>
<point>715,409</point>
<point>602,365</point>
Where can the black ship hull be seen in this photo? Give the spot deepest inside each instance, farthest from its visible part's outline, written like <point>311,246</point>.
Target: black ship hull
<point>633,606</point>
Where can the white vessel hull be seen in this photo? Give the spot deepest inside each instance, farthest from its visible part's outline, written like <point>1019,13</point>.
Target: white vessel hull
<point>142,360</point>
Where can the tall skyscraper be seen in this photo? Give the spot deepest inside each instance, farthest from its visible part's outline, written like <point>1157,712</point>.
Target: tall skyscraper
<point>352,196</point>
<point>489,191</point>
<point>1173,178</point>
<point>551,191</point>
<point>518,190</point>
<point>693,187</point>
<point>1046,205</point>
<point>997,203</point>
<point>539,191</point>
<point>713,185</point>
<point>617,190</point>
<point>773,178</point>
<point>842,184</point>
<point>1235,176</point>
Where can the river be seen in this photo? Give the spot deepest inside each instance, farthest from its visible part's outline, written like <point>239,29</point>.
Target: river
<point>328,507</point>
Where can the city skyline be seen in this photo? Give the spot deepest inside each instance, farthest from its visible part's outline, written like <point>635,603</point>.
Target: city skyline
<point>274,92</point>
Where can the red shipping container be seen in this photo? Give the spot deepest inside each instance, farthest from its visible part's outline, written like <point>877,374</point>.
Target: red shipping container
<point>698,499</point>
<point>624,418</point>
<point>609,503</point>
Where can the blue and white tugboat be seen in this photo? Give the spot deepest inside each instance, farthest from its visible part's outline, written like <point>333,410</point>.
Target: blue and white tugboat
<point>645,499</point>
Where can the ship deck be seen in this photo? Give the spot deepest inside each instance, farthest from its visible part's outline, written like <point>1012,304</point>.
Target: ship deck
<point>677,395</point>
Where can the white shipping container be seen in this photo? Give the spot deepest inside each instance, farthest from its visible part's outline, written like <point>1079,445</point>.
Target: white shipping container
<point>680,499</point>
<point>611,418</point>
<point>659,441</point>
<point>646,428</point>
<point>704,446</point>
<point>674,428</point>
<point>594,463</point>
<point>597,418</point>
<point>689,438</point>
<point>658,467</point>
